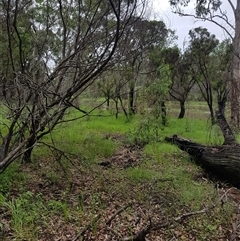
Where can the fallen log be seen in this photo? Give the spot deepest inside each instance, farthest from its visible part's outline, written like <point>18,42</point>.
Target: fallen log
<point>223,161</point>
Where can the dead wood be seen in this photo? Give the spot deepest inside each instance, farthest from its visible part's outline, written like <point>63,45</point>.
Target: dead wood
<point>222,161</point>
<point>89,226</point>
<point>141,235</point>
<point>117,213</point>
<point>171,222</point>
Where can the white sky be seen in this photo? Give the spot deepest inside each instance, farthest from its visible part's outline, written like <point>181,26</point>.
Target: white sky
<point>182,25</point>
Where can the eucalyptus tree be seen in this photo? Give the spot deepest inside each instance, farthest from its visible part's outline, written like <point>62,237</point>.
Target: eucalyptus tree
<point>182,80</point>
<point>143,36</point>
<point>201,46</point>
<point>54,50</point>
<point>211,10</point>
<point>220,66</point>
<point>132,59</point>
<point>158,91</point>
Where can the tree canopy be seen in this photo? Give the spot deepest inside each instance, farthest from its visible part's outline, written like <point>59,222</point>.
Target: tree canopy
<point>53,50</point>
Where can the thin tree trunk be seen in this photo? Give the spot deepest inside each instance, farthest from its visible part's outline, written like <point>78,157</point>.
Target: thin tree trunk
<point>108,102</point>
<point>182,110</point>
<point>125,112</point>
<point>164,113</point>
<point>116,106</point>
<point>131,100</point>
<point>213,121</point>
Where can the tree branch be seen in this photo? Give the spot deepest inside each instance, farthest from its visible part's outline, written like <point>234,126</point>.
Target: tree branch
<point>207,19</point>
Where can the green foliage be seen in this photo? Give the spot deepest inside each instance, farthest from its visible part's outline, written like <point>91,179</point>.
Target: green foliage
<point>26,212</point>
<point>203,8</point>
<point>12,177</point>
<point>59,207</point>
<point>176,174</point>
<point>145,131</point>
<point>202,42</point>
<point>166,177</point>
<point>87,138</point>
<point>142,174</point>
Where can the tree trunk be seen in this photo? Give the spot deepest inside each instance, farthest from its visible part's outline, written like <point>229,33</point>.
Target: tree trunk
<point>213,121</point>
<point>182,110</point>
<point>107,95</point>
<point>108,103</point>
<point>123,108</point>
<point>235,84</point>
<point>229,138</point>
<point>223,161</point>
<point>27,156</point>
<point>116,106</point>
<point>131,100</point>
<point>164,113</point>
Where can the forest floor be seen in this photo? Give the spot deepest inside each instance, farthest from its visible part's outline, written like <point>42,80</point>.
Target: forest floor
<point>126,196</point>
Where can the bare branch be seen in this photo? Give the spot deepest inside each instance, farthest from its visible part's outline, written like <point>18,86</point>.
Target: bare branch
<point>206,19</point>
<point>232,6</point>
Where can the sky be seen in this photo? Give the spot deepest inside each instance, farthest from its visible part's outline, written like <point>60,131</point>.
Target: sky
<point>182,25</point>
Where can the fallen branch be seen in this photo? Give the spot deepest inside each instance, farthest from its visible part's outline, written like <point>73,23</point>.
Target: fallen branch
<point>118,212</point>
<point>141,235</point>
<point>89,226</point>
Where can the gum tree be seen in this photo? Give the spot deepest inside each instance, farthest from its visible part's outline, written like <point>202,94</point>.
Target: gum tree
<point>202,45</point>
<point>182,80</point>
<point>211,10</point>
<point>53,51</point>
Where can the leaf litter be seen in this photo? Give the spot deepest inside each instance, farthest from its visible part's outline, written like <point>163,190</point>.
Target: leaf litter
<point>99,202</point>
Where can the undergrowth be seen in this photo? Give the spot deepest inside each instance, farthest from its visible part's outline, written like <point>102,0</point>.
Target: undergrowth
<point>72,189</point>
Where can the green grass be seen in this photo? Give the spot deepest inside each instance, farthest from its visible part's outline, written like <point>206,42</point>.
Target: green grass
<point>87,138</point>
<point>72,193</point>
<point>177,171</point>
<point>26,212</point>
<point>13,177</point>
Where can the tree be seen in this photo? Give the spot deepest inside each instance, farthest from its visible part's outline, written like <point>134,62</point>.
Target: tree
<point>221,72</point>
<point>210,10</point>
<point>144,36</point>
<point>158,91</point>
<point>182,80</point>
<point>202,44</point>
<point>132,65</point>
<point>54,51</point>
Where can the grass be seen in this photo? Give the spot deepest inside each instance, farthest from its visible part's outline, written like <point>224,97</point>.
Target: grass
<point>72,190</point>
<point>179,171</point>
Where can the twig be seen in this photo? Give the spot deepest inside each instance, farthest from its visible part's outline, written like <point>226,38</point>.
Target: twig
<point>118,212</point>
<point>185,215</point>
<point>140,236</point>
<point>95,219</point>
